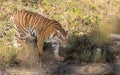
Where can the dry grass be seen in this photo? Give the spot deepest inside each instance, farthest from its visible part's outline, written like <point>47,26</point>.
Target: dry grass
<point>96,18</point>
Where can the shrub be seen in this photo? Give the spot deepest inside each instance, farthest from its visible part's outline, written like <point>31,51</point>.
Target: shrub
<point>87,49</point>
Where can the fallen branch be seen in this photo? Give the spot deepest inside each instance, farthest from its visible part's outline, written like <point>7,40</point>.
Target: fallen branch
<point>116,36</point>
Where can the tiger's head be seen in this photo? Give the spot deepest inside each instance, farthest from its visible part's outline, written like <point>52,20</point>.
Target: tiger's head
<point>63,38</point>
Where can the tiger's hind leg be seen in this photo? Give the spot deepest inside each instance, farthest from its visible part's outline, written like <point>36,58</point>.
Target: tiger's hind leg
<point>19,39</point>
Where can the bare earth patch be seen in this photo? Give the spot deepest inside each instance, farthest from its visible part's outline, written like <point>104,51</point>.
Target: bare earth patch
<point>89,69</point>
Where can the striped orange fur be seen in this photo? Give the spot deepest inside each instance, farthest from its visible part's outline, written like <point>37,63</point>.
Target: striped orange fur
<point>40,27</point>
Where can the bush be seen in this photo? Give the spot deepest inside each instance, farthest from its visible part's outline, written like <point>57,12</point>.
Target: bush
<point>87,49</point>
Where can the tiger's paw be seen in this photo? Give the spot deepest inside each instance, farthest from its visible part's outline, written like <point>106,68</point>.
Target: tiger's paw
<point>59,58</point>
<point>41,52</point>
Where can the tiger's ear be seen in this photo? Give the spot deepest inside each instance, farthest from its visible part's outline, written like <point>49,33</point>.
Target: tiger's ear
<point>58,31</point>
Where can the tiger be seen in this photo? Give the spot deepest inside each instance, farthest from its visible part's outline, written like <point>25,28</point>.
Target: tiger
<point>42,28</point>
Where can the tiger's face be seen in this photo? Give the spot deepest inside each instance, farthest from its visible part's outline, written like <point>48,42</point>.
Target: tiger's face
<point>63,38</point>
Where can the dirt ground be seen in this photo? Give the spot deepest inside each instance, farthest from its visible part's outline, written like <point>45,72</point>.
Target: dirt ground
<point>50,66</point>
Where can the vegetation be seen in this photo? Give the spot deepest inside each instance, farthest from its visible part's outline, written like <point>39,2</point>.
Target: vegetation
<point>89,23</point>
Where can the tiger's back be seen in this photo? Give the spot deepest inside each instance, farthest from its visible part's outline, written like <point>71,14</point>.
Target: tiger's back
<point>24,19</point>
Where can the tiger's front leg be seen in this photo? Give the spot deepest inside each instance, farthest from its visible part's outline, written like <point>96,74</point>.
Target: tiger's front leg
<point>40,44</point>
<point>19,39</point>
<point>55,47</point>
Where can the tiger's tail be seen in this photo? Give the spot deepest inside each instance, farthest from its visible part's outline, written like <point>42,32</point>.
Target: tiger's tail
<point>6,30</point>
